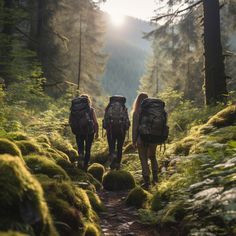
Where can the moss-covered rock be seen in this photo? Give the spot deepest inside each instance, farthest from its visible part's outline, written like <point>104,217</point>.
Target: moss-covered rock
<point>95,201</point>
<point>69,205</point>
<point>226,117</point>
<point>64,145</point>
<point>17,136</point>
<point>28,146</point>
<point>156,203</point>
<point>97,171</point>
<point>22,202</point>
<point>43,139</point>
<point>8,147</point>
<point>91,230</point>
<point>42,165</point>
<point>78,175</point>
<point>118,180</point>
<point>138,197</point>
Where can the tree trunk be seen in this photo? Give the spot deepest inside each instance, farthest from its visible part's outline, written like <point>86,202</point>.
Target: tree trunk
<point>215,78</point>
<point>5,48</point>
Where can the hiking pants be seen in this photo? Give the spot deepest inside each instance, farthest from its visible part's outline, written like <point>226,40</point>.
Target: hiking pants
<point>116,140</point>
<point>84,143</point>
<point>147,151</point>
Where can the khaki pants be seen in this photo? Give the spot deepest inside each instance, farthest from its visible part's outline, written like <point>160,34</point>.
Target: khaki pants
<point>147,151</point>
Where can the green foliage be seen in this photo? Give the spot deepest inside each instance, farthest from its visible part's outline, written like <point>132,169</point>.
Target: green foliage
<point>16,136</point>
<point>28,146</point>
<point>97,171</point>
<point>8,147</point>
<point>42,165</point>
<point>95,201</point>
<point>138,197</point>
<point>118,180</point>
<point>184,114</point>
<point>156,203</point>
<point>22,202</point>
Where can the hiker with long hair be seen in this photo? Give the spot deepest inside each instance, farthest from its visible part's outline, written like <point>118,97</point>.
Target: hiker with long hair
<point>116,122</point>
<point>147,120</point>
<point>84,125</point>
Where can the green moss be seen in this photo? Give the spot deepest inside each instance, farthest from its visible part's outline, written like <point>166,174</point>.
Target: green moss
<point>42,165</point>
<point>8,147</point>
<point>138,197</point>
<point>118,180</point>
<point>69,205</point>
<point>17,136</point>
<point>156,203</point>
<point>223,118</point>
<point>78,175</point>
<point>129,149</point>
<point>97,171</point>
<point>28,146</point>
<point>12,233</point>
<point>22,202</point>
<point>64,145</point>
<point>95,201</point>
<point>91,230</point>
<point>43,139</point>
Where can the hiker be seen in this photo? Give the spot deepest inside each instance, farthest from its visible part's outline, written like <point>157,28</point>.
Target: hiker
<point>149,129</point>
<point>116,122</point>
<point>84,125</point>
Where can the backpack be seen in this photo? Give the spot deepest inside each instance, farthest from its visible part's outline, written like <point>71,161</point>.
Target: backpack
<point>153,121</point>
<point>116,114</point>
<point>81,121</point>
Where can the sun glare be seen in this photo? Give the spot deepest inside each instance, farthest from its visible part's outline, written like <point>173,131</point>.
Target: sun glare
<point>117,19</point>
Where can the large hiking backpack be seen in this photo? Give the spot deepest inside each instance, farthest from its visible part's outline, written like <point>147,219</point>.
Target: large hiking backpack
<point>81,120</point>
<point>153,121</point>
<point>116,114</point>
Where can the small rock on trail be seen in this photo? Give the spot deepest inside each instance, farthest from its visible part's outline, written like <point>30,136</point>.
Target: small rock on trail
<point>120,220</point>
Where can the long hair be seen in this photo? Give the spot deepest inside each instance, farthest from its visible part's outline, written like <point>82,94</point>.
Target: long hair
<point>88,97</point>
<point>138,101</point>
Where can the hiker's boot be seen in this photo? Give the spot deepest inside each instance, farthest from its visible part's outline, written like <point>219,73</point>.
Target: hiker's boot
<point>154,179</point>
<point>146,183</point>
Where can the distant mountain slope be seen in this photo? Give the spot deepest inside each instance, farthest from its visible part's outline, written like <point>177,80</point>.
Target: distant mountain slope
<point>127,52</point>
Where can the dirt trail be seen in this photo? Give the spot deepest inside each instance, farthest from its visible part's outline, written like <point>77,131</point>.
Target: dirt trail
<point>120,220</point>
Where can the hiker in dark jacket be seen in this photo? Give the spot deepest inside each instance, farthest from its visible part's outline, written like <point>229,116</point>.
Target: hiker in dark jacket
<point>116,122</point>
<point>84,125</point>
<point>146,150</point>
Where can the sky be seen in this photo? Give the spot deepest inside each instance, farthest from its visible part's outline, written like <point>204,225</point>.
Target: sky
<point>142,9</point>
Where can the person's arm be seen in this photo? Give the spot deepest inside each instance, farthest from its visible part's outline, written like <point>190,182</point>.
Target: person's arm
<point>135,128</point>
<point>96,127</point>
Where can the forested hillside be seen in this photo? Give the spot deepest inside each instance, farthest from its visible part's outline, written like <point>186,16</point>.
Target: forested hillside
<point>127,52</point>
<point>60,173</point>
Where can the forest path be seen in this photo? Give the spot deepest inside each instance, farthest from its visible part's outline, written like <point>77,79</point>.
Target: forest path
<point>120,220</point>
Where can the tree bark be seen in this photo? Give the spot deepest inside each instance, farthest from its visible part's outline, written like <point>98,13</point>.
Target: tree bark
<point>215,78</point>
